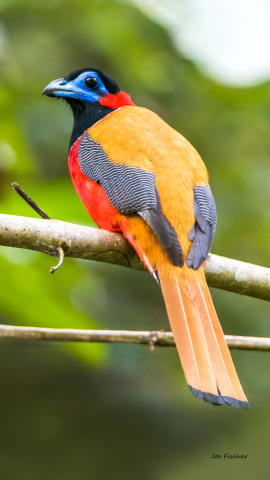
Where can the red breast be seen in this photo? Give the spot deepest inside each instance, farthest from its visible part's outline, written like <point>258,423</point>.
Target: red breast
<point>92,195</point>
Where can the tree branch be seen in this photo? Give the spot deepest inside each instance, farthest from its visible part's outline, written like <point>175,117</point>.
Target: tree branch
<point>88,243</point>
<point>152,338</point>
<point>76,240</point>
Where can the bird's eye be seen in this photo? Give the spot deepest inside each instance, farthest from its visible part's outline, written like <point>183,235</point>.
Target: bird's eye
<point>91,82</point>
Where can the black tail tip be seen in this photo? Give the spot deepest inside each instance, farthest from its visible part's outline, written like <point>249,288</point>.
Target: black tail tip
<point>219,400</point>
<point>236,403</point>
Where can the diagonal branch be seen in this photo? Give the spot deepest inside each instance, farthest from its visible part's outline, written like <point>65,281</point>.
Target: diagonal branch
<point>152,338</point>
<point>29,200</point>
<point>88,243</point>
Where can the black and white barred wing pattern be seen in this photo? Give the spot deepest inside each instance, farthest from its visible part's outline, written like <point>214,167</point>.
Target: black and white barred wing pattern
<point>202,232</point>
<point>130,190</point>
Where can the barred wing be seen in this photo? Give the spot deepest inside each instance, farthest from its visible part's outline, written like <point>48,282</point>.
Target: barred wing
<point>130,190</point>
<point>202,233</point>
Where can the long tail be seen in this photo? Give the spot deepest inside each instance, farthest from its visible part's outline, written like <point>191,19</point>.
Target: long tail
<point>204,354</point>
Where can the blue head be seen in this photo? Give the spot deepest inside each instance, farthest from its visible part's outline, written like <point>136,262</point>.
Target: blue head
<point>91,94</point>
<point>85,85</point>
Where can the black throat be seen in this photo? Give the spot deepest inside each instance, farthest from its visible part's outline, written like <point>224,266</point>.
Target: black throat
<point>86,114</point>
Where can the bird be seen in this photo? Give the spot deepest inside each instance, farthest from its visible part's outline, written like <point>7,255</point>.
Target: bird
<point>137,175</point>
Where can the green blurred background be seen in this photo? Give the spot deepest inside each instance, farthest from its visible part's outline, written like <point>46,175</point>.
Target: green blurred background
<point>122,412</point>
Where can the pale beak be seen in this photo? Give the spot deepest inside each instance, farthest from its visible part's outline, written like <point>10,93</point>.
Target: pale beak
<point>55,86</point>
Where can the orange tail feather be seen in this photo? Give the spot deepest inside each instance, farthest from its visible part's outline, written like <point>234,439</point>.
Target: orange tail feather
<point>205,357</point>
<point>225,374</point>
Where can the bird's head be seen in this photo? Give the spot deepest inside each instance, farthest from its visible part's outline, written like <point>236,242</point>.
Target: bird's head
<point>88,85</point>
<point>91,94</point>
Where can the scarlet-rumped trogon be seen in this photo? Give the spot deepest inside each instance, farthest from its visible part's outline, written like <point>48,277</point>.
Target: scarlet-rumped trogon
<point>138,176</point>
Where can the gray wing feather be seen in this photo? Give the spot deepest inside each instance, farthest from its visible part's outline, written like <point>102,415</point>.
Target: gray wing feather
<point>202,233</point>
<point>165,232</point>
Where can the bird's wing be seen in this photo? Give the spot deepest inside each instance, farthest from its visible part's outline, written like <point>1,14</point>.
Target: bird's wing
<point>202,233</point>
<point>130,190</point>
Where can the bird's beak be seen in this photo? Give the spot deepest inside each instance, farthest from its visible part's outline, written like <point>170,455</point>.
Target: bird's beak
<point>54,87</point>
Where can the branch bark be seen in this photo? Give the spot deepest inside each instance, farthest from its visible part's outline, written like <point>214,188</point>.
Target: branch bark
<point>78,241</point>
<point>152,338</point>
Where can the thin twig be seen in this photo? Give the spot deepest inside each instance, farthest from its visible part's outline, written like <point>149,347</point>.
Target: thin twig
<point>44,215</point>
<point>61,259</point>
<point>152,338</point>
<point>29,200</point>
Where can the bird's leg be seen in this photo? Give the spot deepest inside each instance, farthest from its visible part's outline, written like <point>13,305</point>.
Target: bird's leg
<point>205,261</point>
